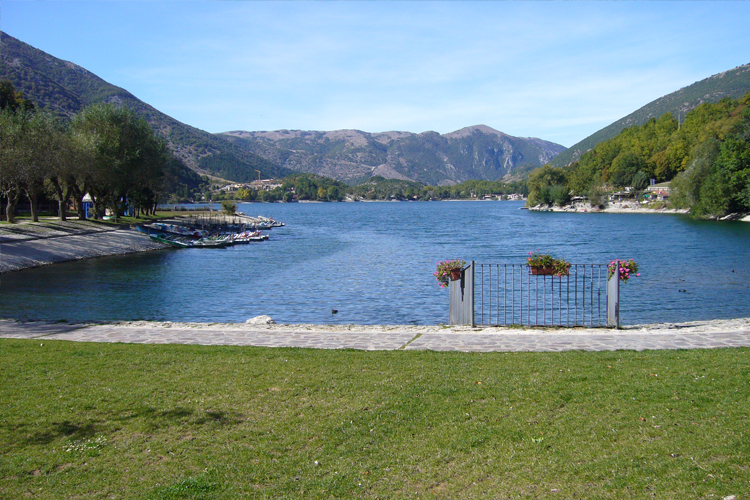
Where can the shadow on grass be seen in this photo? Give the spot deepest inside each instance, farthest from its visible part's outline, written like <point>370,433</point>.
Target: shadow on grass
<point>58,430</point>
<point>156,419</point>
<point>43,434</point>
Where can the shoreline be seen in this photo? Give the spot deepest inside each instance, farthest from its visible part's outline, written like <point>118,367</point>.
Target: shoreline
<point>25,246</point>
<point>624,207</point>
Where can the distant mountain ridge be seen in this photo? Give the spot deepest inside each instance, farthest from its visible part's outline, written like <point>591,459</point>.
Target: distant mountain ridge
<point>733,83</point>
<point>477,152</point>
<point>64,88</point>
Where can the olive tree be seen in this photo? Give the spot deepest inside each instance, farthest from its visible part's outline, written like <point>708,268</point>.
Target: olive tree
<point>128,158</point>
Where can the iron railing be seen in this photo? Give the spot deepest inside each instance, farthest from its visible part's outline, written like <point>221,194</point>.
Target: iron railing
<point>509,294</point>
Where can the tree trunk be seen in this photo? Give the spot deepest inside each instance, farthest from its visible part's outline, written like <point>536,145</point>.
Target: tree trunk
<point>32,190</point>
<point>10,210</point>
<point>34,202</point>
<point>78,194</point>
<point>98,208</point>
<point>62,198</point>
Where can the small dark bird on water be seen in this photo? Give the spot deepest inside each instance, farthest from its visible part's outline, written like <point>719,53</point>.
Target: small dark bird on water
<point>334,311</point>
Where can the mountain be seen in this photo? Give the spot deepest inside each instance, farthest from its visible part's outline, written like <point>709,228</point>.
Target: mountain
<point>733,83</point>
<point>65,88</point>
<point>477,152</point>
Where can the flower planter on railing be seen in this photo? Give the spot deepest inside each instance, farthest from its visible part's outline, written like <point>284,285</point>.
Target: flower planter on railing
<point>542,270</point>
<point>546,265</point>
<point>447,271</point>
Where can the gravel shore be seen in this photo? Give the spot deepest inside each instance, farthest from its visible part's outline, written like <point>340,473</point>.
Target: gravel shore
<point>37,244</point>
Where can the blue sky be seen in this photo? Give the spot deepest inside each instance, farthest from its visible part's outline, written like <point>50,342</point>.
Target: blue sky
<point>559,71</point>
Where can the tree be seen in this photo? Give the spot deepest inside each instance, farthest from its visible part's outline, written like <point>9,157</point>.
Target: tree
<point>639,183</point>
<point>687,184</point>
<point>25,149</point>
<point>228,207</point>
<point>597,194</point>
<point>46,142</point>
<point>14,156</point>
<point>540,182</point>
<point>12,100</point>
<point>129,159</point>
<point>624,167</point>
<point>560,195</point>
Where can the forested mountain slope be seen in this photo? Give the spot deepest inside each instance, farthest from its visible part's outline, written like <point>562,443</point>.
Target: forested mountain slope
<point>733,83</point>
<point>65,88</point>
<point>706,157</point>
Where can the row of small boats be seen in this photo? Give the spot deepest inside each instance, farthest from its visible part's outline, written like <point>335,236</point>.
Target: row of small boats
<point>184,237</point>
<point>264,223</point>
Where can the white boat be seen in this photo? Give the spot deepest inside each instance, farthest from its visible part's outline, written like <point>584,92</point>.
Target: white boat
<point>248,236</point>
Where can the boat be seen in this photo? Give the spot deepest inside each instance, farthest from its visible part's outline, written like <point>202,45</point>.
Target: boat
<point>212,242</point>
<point>248,236</point>
<point>267,222</point>
<point>159,228</point>
<point>171,240</point>
<point>258,226</point>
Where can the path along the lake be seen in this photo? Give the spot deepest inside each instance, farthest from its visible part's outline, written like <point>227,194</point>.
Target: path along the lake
<point>695,335</point>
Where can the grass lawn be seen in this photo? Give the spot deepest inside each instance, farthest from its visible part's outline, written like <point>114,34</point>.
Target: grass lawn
<point>87,421</point>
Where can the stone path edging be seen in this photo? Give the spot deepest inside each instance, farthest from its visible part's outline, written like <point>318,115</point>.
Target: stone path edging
<point>382,338</point>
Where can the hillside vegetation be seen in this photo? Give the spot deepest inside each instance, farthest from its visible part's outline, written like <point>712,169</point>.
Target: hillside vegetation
<point>104,151</point>
<point>64,89</point>
<point>313,187</point>
<point>733,83</point>
<point>707,157</point>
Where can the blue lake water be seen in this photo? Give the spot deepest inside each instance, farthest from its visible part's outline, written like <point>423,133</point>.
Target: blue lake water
<point>373,262</point>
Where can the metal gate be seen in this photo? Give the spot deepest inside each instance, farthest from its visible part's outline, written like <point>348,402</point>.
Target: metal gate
<point>509,294</point>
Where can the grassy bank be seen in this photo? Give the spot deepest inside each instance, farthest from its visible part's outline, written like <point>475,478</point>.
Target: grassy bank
<point>148,421</point>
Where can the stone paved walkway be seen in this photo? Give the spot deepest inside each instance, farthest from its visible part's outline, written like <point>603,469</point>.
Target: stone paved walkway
<point>384,338</point>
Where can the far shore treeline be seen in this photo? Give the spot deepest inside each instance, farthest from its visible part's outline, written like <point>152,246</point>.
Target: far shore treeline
<point>706,157</point>
<point>312,187</point>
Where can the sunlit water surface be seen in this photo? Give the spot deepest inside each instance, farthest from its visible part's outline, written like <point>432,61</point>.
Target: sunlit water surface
<point>373,263</point>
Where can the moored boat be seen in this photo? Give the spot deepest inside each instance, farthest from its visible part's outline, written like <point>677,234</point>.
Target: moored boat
<point>159,228</point>
<point>248,236</point>
<point>171,240</point>
<point>213,242</point>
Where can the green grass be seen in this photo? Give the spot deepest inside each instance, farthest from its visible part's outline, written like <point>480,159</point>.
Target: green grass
<point>119,421</point>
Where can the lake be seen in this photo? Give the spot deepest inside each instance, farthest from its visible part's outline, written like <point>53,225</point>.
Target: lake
<point>373,263</point>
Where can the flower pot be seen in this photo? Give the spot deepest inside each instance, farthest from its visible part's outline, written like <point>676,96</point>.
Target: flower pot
<point>542,270</point>
<point>455,274</point>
